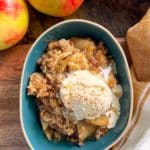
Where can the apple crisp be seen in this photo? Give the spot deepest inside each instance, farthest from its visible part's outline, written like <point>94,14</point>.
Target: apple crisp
<point>77,77</point>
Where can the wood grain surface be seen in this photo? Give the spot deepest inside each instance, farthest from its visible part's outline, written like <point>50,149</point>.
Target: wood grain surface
<point>11,63</point>
<point>116,15</point>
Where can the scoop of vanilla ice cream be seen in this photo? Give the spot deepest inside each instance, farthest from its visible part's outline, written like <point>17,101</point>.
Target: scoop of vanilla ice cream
<point>85,94</point>
<point>111,114</point>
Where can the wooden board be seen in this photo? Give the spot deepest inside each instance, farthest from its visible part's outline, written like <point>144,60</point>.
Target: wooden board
<point>11,62</point>
<point>116,15</point>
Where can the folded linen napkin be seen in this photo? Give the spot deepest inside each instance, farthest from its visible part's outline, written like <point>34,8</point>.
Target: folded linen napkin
<point>144,143</point>
<point>137,136</point>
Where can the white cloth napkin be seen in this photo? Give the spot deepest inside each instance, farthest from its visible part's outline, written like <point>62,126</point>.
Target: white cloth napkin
<point>139,138</point>
<point>144,143</point>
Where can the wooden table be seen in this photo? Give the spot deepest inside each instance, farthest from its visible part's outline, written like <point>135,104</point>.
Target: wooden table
<point>115,15</point>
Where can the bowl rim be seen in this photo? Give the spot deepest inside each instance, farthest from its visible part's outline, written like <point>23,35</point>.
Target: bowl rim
<point>122,53</point>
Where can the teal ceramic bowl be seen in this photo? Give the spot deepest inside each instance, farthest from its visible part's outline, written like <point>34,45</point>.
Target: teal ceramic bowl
<point>28,111</point>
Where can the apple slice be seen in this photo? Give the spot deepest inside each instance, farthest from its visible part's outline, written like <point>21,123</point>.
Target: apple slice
<point>100,121</point>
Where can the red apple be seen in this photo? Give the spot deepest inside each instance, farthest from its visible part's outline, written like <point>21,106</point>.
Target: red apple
<point>13,22</point>
<point>57,8</point>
